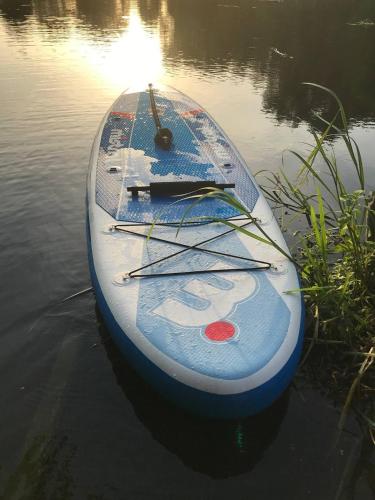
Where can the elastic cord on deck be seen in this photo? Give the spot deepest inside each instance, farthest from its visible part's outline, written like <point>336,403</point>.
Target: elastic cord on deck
<point>196,247</point>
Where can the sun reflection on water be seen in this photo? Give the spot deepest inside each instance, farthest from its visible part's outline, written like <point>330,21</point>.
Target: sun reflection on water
<point>133,57</point>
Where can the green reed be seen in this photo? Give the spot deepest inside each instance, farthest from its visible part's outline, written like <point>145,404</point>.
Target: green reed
<point>335,256</point>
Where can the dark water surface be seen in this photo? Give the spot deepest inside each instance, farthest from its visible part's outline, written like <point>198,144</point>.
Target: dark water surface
<point>76,422</point>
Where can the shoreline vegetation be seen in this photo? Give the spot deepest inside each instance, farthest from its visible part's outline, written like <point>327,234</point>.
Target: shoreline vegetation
<point>334,252</point>
<point>335,256</point>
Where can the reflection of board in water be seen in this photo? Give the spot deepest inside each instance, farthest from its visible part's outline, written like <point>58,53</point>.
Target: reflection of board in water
<point>214,447</point>
<point>203,316</point>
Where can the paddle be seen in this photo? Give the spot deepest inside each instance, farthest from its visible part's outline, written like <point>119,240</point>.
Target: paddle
<point>163,137</point>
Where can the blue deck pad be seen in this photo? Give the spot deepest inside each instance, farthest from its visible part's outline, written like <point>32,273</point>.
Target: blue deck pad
<point>183,160</point>
<point>199,152</point>
<point>149,163</point>
<point>166,305</point>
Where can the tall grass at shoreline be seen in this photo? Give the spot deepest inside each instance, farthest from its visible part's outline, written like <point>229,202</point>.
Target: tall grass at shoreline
<point>335,256</point>
<point>335,253</point>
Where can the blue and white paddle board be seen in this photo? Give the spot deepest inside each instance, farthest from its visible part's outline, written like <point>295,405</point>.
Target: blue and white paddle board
<point>220,344</point>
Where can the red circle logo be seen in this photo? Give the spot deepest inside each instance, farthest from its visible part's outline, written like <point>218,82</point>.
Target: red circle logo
<point>220,331</point>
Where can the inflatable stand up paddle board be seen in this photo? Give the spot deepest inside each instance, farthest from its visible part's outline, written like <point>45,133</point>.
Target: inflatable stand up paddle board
<point>202,316</point>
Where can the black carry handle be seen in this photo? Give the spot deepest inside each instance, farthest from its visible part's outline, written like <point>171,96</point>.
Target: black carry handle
<point>163,137</point>
<point>166,189</point>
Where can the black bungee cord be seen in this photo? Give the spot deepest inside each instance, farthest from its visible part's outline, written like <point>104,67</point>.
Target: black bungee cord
<point>185,248</point>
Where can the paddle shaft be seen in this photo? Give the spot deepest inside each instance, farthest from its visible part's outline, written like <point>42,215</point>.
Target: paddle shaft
<point>154,109</point>
<point>163,137</point>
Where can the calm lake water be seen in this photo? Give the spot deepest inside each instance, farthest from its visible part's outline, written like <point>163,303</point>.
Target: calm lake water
<point>76,421</point>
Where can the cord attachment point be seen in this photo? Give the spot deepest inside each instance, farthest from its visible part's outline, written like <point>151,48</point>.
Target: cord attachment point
<point>279,267</point>
<point>122,279</point>
<point>109,228</point>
